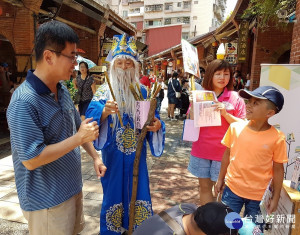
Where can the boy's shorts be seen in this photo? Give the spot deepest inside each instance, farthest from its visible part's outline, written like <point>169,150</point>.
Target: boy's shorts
<point>204,168</point>
<point>64,219</point>
<point>236,203</point>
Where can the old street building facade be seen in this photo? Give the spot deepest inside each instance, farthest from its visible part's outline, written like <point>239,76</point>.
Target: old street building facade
<point>247,45</point>
<point>94,22</point>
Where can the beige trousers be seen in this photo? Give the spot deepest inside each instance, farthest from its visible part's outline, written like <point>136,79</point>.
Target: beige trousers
<point>64,219</point>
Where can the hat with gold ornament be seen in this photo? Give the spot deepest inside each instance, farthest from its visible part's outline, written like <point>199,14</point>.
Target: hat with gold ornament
<point>124,45</point>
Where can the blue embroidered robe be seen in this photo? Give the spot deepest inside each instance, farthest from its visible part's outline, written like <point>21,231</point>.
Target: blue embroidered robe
<point>118,153</point>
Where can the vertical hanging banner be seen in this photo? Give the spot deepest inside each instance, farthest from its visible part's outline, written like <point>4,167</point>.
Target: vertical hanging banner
<point>243,41</point>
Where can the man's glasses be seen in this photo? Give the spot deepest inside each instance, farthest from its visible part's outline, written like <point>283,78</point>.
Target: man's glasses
<point>72,58</point>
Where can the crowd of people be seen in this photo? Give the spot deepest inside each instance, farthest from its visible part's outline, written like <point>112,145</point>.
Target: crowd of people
<point>47,131</point>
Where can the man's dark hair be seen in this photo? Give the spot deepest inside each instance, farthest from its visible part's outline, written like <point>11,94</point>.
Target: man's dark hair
<point>184,81</point>
<point>175,75</point>
<point>202,70</point>
<point>238,73</point>
<point>53,35</point>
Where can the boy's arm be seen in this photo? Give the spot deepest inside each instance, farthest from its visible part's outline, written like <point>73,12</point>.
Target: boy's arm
<point>224,164</point>
<point>278,173</point>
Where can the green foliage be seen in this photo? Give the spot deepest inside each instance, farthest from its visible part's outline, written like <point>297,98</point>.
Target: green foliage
<point>266,11</point>
<point>69,84</point>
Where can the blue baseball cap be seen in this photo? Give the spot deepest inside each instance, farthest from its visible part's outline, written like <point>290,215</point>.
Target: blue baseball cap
<point>266,93</point>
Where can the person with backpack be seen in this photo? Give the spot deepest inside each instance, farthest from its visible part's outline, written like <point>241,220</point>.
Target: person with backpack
<point>174,92</point>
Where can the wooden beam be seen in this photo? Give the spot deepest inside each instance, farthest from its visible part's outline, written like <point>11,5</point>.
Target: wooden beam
<point>70,22</point>
<point>17,3</point>
<point>235,24</point>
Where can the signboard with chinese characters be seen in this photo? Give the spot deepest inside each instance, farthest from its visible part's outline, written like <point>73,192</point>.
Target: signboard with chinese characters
<point>243,41</point>
<point>231,53</point>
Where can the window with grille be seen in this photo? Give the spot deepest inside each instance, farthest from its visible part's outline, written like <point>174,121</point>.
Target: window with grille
<point>125,14</point>
<point>185,35</point>
<point>186,20</point>
<point>158,7</point>
<point>167,21</point>
<point>186,5</point>
<point>168,6</point>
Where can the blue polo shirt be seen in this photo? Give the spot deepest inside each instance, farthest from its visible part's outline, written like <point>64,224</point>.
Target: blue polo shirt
<point>36,120</point>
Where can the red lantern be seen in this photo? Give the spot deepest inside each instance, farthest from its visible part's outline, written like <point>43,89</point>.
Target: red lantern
<point>215,44</point>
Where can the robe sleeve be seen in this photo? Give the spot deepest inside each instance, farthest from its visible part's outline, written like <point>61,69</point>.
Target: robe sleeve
<point>156,140</point>
<point>95,110</point>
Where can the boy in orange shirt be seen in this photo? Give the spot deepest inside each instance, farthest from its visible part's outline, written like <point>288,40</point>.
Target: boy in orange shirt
<point>255,153</point>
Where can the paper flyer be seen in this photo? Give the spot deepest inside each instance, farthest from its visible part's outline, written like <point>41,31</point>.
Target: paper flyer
<point>265,201</point>
<point>206,115</point>
<point>202,95</point>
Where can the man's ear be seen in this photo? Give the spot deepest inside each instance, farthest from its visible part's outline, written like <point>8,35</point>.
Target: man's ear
<point>48,57</point>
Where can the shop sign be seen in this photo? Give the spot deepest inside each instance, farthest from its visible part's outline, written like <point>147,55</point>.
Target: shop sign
<point>243,40</point>
<point>231,53</point>
<point>106,47</point>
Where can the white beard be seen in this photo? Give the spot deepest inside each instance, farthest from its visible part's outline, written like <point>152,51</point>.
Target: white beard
<point>120,81</point>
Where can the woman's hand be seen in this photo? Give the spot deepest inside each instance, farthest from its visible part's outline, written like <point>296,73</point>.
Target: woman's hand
<point>221,107</point>
<point>155,126</point>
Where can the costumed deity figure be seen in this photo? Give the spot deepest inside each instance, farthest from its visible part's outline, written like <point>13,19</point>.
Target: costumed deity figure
<point>118,144</point>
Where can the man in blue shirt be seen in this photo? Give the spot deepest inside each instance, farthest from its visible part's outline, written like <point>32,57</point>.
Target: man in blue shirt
<point>46,132</point>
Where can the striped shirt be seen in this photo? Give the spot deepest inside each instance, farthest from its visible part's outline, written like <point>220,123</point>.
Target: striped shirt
<point>36,120</point>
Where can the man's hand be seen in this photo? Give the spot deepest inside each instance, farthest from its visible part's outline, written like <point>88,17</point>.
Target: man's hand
<point>100,168</point>
<point>111,107</point>
<point>88,131</point>
<point>155,126</point>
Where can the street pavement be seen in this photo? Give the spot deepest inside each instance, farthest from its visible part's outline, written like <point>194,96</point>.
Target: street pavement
<point>170,182</point>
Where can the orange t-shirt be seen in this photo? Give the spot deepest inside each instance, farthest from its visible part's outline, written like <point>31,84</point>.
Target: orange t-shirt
<point>252,154</point>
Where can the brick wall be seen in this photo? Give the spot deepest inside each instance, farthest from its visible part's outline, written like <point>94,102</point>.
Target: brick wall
<point>295,51</point>
<point>17,25</point>
<point>268,47</point>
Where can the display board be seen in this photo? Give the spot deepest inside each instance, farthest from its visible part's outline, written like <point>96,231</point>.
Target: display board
<point>286,78</point>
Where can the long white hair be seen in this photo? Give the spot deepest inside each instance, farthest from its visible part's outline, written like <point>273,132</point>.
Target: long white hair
<point>120,81</point>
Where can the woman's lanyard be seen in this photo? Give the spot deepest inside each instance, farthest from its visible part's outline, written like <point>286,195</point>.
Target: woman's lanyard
<point>220,94</point>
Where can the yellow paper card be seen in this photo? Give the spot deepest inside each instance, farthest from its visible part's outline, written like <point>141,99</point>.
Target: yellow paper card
<point>281,76</point>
